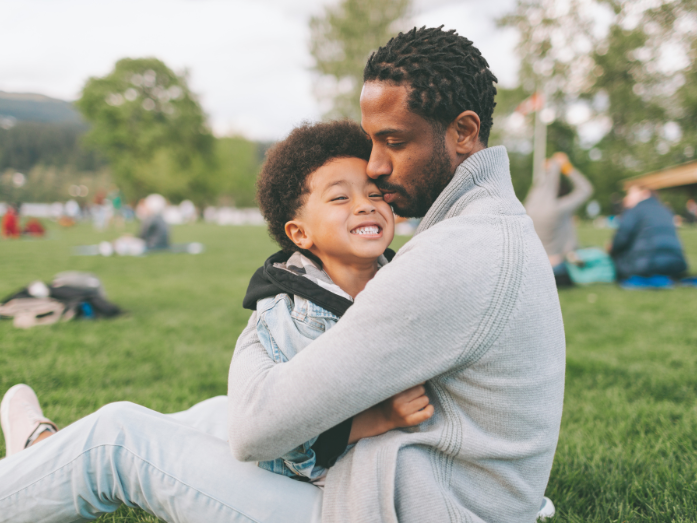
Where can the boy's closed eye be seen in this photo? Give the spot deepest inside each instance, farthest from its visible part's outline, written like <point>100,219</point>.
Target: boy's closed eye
<point>377,195</point>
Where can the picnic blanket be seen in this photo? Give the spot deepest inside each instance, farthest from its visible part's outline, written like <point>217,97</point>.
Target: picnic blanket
<point>656,282</point>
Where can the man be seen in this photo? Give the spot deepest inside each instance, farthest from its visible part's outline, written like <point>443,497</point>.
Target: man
<point>646,242</point>
<point>468,306</point>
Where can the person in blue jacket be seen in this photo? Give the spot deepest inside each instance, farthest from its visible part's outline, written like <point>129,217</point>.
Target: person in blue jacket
<point>646,242</point>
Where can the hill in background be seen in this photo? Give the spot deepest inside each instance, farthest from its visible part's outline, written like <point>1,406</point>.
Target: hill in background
<point>30,107</point>
<point>41,137</point>
<point>39,130</point>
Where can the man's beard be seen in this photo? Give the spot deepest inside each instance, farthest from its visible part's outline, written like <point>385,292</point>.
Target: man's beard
<point>417,197</point>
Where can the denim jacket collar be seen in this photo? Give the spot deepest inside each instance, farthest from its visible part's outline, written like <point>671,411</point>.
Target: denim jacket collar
<point>294,274</point>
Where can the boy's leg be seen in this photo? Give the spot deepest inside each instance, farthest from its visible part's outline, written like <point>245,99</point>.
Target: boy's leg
<point>125,453</point>
<point>209,416</point>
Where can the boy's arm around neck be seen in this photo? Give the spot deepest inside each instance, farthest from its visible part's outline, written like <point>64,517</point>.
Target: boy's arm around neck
<point>429,311</point>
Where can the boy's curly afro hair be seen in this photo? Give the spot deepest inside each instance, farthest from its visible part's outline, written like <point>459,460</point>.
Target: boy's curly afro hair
<point>282,183</point>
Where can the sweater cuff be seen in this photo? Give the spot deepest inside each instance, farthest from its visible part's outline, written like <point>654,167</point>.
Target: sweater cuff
<point>332,443</point>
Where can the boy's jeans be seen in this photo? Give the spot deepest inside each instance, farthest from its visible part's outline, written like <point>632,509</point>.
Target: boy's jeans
<point>176,466</point>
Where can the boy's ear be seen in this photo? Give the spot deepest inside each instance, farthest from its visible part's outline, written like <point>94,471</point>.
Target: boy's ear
<point>295,230</point>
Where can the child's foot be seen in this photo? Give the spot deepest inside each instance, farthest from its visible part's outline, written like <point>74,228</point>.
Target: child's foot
<point>22,419</point>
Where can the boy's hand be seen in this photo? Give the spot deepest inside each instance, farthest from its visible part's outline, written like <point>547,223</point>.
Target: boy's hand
<point>405,409</point>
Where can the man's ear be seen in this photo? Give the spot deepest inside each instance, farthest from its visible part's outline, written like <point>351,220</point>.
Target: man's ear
<point>295,230</point>
<point>464,130</point>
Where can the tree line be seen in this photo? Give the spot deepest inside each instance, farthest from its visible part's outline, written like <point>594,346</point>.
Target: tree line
<point>623,101</point>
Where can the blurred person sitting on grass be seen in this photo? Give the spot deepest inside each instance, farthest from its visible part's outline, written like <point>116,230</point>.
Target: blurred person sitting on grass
<point>468,307</point>
<point>691,211</point>
<point>10,223</point>
<point>646,242</point>
<point>154,231</point>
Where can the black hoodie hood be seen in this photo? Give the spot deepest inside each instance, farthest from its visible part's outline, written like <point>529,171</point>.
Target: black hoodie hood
<point>270,280</point>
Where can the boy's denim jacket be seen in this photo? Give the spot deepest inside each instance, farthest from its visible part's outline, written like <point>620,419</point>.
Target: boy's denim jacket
<point>288,322</point>
<point>286,325</point>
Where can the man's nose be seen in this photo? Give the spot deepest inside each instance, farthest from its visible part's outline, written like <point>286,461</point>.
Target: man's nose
<point>378,165</point>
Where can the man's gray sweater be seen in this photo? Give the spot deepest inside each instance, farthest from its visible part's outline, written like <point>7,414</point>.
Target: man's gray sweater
<point>470,307</point>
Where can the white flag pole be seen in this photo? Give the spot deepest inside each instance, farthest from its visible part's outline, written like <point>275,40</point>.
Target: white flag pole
<point>539,143</point>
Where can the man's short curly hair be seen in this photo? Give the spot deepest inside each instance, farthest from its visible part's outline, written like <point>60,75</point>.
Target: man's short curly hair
<point>282,184</point>
<point>446,73</point>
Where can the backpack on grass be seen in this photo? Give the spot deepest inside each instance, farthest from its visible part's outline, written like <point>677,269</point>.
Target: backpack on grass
<point>70,295</point>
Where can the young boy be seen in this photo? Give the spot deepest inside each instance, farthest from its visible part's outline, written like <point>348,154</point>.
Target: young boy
<point>334,227</point>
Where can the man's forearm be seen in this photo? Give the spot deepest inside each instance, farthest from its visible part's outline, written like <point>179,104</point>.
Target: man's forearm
<point>582,190</point>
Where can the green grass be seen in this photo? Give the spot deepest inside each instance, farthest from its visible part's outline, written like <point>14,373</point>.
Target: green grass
<point>628,445</point>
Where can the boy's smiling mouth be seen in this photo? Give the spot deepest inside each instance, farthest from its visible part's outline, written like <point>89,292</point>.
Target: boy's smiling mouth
<point>367,229</point>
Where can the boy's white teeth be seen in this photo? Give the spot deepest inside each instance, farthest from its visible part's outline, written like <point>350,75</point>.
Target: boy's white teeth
<point>370,229</point>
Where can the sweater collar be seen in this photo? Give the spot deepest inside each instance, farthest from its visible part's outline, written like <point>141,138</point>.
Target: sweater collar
<point>483,166</point>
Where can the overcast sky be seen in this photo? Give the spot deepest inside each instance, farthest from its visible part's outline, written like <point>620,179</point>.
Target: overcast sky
<point>248,59</point>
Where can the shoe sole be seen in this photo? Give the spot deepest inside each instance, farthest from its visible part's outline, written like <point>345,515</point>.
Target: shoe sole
<point>547,510</point>
<point>5,414</point>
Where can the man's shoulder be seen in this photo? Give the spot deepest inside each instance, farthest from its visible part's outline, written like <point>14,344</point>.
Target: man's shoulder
<point>478,232</point>
<point>472,252</point>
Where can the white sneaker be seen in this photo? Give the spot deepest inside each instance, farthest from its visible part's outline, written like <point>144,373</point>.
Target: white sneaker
<point>546,509</point>
<point>20,417</point>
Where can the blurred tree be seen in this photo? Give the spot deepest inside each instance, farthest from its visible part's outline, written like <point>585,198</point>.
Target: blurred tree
<point>151,128</point>
<point>617,73</point>
<point>556,39</point>
<point>341,42</point>
<point>238,163</point>
<point>640,78</point>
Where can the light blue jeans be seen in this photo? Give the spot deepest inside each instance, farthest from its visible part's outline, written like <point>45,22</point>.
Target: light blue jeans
<point>176,466</point>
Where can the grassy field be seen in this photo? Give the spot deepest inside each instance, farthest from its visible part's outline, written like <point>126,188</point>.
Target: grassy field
<point>628,446</point>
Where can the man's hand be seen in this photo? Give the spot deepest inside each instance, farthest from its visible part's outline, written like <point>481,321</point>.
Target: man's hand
<point>560,157</point>
<point>405,409</point>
